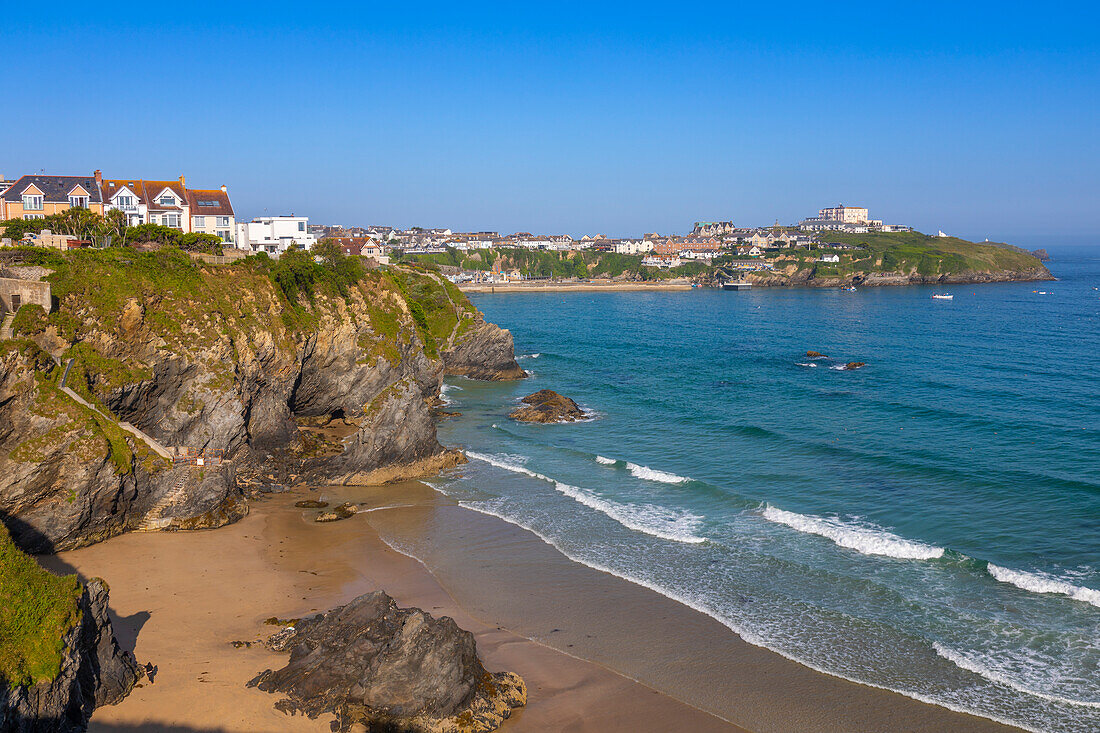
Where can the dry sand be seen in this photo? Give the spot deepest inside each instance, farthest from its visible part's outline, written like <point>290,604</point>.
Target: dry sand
<point>179,599</point>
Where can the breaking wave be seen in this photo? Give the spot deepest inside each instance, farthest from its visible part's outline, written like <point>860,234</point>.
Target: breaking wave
<point>662,522</point>
<point>971,665</point>
<point>1041,583</point>
<point>863,538</point>
<point>606,461</point>
<point>652,474</point>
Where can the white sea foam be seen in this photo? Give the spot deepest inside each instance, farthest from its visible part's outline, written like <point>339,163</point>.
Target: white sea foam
<point>703,606</point>
<point>652,474</point>
<point>806,364</point>
<point>1042,583</point>
<point>529,356</point>
<point>667,524</point>
<point>863,538</point>
<point>606,461</point>
<point>973,665</point>
<point>443,393</point>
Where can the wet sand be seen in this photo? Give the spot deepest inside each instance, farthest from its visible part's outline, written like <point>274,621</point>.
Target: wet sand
<point>180,599</point>
<point>183,597</point>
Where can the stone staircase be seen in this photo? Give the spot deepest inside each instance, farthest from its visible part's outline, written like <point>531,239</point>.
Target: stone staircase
<point>5,327</point>
<point>155,519</point>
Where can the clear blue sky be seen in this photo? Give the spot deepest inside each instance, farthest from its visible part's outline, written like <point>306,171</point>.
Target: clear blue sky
<point>982,119</point>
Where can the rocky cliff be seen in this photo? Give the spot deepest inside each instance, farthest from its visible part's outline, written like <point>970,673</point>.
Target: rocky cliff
<point>59,659</point>
<point>328,373</point>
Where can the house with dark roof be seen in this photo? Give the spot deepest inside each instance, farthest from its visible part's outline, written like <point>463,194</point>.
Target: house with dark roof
<point>212,213</point>
<point>38,196</point>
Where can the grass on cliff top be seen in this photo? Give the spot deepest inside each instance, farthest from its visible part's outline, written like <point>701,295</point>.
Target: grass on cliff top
<point>935,255</point>
<point>37,608</point>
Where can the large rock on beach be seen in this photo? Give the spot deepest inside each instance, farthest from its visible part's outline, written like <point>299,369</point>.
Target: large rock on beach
<point>547,406</point>
<point>375,665</point>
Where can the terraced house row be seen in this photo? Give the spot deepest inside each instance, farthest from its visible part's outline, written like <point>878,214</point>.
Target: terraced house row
<point>167,203</point>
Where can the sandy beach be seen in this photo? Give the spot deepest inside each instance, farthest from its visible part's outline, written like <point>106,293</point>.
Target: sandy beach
<point>179,600</point>
<point>607,286</point>
<point>598,653</point>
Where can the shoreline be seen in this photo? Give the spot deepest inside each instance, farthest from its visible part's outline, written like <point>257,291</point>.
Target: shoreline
<point>179,600</point>
<point>599,653</point>
<point>608,287</point>
<point>611,287</point>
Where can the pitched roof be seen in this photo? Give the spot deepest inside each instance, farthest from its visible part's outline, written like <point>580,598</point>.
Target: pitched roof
<point>109,188</point>
<point>153,189</point>
<point>209,203</point>
<point>54,188</point>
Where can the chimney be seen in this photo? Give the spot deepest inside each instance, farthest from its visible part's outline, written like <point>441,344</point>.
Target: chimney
<point>183,181</point>
<point>224,189</point>
<point>98,177</point>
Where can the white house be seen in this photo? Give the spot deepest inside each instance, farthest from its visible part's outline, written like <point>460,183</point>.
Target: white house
<point>274,234</point>
<point>830,258</point>
<point>632,246</point>
<point>662,261</point>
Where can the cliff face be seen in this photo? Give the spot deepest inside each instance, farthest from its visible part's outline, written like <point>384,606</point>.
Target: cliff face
<point>94,671</point>
<point>219,359</point>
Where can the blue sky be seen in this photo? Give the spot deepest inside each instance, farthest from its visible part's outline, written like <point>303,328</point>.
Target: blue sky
<point>981,120</point>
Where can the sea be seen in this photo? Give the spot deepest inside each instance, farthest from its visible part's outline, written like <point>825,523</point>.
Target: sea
<point>928,523</point>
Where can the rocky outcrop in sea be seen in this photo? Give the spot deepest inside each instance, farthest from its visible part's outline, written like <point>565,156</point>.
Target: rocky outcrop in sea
<point>375,665</point>
<point>547,406</point>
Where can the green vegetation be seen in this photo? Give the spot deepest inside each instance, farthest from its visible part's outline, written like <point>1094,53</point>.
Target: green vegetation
<point>37,608</point>
<point>926,255</point>
<point>430,305</point>
<point>31,318</point>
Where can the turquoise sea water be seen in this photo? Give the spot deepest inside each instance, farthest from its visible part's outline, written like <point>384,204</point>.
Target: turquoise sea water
<point>929,523</point>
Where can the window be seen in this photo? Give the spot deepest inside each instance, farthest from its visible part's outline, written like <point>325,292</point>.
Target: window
<point>224,236</point>
<point>125,200</point>
<point>171,220</point>
<point>301,226</point>
<point>33,216</point>
<point>167,201</point>
<point>223,221</point>
<point>198,221</point>
<point>78,202</point>
<point>32,203</point>
<point>207,203</point>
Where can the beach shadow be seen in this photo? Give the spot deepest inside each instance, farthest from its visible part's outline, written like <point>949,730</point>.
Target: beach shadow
<point>41,548</point>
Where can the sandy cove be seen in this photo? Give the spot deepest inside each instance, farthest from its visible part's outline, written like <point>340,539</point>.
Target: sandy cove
<point>179,599</point>
<point>186,596</point>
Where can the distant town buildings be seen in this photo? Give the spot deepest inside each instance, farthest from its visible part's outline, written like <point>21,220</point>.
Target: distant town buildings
<point>848,219</point>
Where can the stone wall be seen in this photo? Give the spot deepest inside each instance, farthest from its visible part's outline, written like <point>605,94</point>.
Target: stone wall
<point>25,291</point>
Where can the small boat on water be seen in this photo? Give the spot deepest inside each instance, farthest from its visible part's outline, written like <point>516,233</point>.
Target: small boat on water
<point>942,296</point>
<point>849,289</point>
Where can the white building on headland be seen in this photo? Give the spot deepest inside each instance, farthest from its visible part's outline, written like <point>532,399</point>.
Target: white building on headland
<point>846,214</point>
<point>275,234</point>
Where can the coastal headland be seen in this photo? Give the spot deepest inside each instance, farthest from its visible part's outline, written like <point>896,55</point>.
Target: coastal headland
<point>838,259</point>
